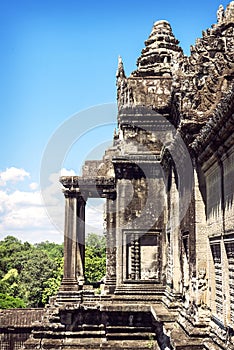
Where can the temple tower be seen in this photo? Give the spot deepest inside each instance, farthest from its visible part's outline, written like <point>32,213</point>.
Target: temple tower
<point>144,131</point>
<point>169,214</point>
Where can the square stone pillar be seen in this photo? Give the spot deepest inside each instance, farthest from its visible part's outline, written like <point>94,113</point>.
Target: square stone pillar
<point>74,246</point>
<point>80,241</point>
<point>173,232</point>
<point>110,282</point>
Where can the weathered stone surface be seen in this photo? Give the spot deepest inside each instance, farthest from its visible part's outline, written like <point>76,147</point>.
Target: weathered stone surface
<point>169,216</point>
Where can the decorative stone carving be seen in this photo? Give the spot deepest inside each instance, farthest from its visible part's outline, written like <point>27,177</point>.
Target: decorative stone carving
<point>154,253</point>
<point>202,289</point>
<point>220,14</point>
<point>160,53</point>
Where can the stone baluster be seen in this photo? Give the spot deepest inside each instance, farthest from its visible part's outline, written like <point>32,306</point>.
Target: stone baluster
<point>137,258</point>
<point>133,263</point>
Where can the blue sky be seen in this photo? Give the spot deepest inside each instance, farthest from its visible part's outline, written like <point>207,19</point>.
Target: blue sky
<point>59,58</point>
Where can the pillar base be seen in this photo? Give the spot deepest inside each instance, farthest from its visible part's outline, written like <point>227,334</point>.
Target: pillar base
<point>69,291</point>
<point>109,286</point>
<point>109,289</point>
<point>69,284</point>
<point>66,297</point>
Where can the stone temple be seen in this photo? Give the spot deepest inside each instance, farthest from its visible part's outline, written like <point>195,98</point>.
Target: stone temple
<point>168,186</point>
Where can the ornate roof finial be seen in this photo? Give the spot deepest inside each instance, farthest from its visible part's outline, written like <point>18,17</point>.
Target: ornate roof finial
<point>220,14</point>
<point>120,71</point>
<point>229,13</point>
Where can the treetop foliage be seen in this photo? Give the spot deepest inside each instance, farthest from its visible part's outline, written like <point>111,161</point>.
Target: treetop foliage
<point>31,273</point>
<point>26,271</point>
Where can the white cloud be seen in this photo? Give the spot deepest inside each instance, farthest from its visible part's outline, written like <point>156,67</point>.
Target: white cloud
<point>38,215</point>
<point>34,186</point>
<point>66,172</point>
<point>12,175</point>
<point>94,216</point>
<point>23,213</point>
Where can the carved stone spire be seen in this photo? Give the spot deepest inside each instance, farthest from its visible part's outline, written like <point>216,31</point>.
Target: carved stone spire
<point>220,14</point>
<point>120,74</point>
<point>225,16</point>
<point>160,53</point>
<point>229,13</point>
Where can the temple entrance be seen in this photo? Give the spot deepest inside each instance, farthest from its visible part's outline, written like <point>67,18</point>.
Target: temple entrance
<point>143,256</point>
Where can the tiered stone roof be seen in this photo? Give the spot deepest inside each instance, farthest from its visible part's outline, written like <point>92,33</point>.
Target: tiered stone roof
<point>160,53</point>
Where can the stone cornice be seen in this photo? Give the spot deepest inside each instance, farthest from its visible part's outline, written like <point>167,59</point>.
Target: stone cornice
<point>77,181</point>
<point>98,187</point>
<point>138,158</point>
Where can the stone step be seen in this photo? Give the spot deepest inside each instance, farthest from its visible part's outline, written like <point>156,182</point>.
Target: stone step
<point>90,305</point>
<point>128,329</point>
<point>129,332</point>
<point>71,344</point>
<point>130,345</point>
<point>80,333</point>
<point>181,341</point>
<point>138,290</point>
<point>141,286</point>
<point>210,345</point>
<point>162,314</point>
<point>189,346</point>
<point>135,298</point>
<point>133,336</point>
<point>86,334</point>
<point>90,340</point>
<point>96,344</point>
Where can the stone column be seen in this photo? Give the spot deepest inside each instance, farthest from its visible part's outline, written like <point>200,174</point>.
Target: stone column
<point>80,240</point>
<point>74,246</point>
<point>110,245</point>
<point>69,282</point>
<point>175,232</point>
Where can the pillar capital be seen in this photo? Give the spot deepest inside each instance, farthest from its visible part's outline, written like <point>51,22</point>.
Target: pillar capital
<point>71,193</point>
<point>75,193</point>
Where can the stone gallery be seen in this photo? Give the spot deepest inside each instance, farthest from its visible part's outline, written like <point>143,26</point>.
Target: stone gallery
<point>168,186</point>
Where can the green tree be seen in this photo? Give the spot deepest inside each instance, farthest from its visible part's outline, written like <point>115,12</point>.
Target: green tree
<point>13,255</point>
<point>29,273</point>
<point>10,282</point>
<point>54,250</point>
<point>51,286</point>
<point>38,269</point>
<point>95,257</point>
<point>9,302</point>
<point>10,247</point>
